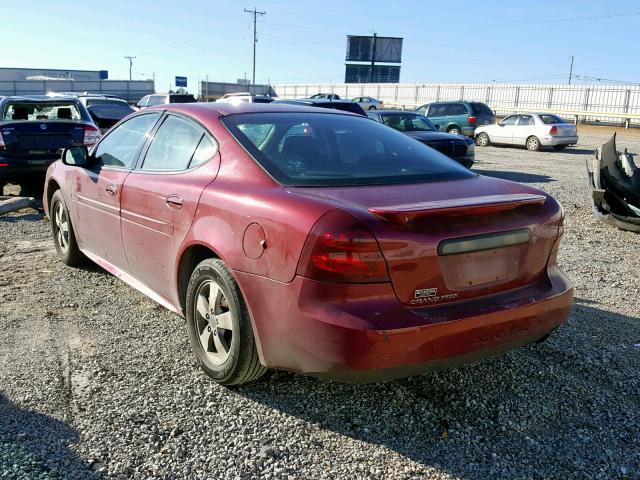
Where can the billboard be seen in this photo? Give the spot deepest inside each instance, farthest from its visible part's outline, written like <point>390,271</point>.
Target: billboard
<point>181,81</point>
<point>358,73</point>
<point>361,49</point>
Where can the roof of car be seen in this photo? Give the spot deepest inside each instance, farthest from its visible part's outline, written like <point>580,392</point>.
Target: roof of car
<point>395,112</point>
<point>38,98</point>
<point>222,109</point>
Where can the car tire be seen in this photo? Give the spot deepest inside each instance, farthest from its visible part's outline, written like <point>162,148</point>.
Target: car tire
<point>64,237</point>
<point>559,148</point>
<point>372,108</point>
<point>454,131</point>
<point>219,326</point>
<point>483,140</point>
<point>533,144</point>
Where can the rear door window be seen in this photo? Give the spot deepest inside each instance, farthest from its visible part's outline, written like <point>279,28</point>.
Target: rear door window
<point>510,120</point>
<point>525,120</point>
<point>121,146</point>
<point>437,110</point>
<point>173,145</point>
<point>453,109</point>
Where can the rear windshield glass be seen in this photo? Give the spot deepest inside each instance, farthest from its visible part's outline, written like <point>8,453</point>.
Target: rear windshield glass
<point>112,110</point>
<point>316,149</point>
<point>182,99</point>
<point>480,109</point>
<point>550,119</point>
<point>408,122</point>
<point>41,111</point>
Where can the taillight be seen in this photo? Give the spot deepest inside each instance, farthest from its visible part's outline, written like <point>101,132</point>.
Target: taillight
<point>340,249</point>
<point>472,120</point>
<point>91,135</point>
<point>553,131</point>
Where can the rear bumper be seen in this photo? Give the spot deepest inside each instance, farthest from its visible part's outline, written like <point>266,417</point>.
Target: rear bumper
<point>552,141</point>
<point>361,333</point>
<point>21,169</point>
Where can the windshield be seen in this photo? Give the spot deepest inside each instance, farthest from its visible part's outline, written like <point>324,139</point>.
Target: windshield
<point>408,122</point>
<point>109,109</point>
<point>41,111</point>
<point>318,149</point>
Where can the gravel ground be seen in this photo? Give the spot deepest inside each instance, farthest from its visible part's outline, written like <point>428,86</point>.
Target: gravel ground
<point>96,381</point>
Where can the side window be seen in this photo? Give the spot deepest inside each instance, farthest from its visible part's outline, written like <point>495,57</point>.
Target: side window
<point>173,145</point>
<point>511,120</point>
<point>456,109</point>
<point>120,147</point>
<point>206,149</point>
<point>143,102</point>
<point>437,110</point>
<point>525,120</point>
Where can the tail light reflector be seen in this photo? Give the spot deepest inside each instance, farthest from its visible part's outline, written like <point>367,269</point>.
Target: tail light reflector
<point>553,131</point>
<point>472,120</point>
<point>91,135</point>
<point>340,249</point>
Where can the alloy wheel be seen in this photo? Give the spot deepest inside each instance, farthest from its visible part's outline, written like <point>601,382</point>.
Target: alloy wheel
<point>62,226</point>
<point>214,322</point>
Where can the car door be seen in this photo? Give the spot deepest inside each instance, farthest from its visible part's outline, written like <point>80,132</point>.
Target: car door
<point>96,199</point>
<point>160,198</point>
<point>504,130</point>
<point>522,130</point>
<point>436,113</point>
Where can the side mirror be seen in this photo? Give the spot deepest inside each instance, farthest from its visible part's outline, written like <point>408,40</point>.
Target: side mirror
<point>76,156</point>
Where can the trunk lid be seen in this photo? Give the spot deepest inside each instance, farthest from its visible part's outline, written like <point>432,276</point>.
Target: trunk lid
<point>33,138</point>
<point>566,130</point>
<point>443,243</point>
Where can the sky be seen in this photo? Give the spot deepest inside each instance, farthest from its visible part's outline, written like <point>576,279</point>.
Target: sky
<point>301,41</point>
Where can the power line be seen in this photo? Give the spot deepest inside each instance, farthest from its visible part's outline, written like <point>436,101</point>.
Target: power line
<point>254,13</point>
<point>130,64</point>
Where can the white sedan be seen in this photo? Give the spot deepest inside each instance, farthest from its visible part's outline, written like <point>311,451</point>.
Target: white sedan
<point>533,130</point>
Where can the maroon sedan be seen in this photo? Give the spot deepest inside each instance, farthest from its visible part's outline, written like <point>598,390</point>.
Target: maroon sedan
<point>311,240</point>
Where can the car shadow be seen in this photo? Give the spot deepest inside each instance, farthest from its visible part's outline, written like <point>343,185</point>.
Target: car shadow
<point>34,445</point>
<point>579,151</point>
<point>516,176</point>
<point>538,412</point>
<point>22,216</point>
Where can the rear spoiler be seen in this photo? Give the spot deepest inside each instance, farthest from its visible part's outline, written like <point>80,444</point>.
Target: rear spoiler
<point>457,206</point>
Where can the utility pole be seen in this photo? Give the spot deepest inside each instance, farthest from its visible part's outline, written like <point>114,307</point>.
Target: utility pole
<point>571,70</point>
<point>130,64</point>
<point>255,14</point>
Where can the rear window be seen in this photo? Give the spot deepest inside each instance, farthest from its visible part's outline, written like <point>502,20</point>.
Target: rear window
<point>550,119</point>
<point>108,109</point>
<point>316,149</point>
<point>480,109</point>
<point>41,112</point>
<point>182,99</point>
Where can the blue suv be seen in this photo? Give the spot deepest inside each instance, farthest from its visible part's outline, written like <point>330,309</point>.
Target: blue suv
<point>459,118</point>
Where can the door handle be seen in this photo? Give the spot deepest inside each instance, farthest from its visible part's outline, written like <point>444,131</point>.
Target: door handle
<point>112,190</point>
<point>174,201</point>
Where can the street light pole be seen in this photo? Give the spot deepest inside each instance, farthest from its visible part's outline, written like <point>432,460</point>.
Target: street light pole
<point>130,64</point>
<point>255,14</point>
<point>571,70</point>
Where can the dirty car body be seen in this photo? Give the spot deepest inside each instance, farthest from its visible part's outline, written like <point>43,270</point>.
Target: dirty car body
<point>361,254</point>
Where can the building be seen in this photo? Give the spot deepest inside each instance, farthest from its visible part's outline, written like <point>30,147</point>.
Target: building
<point>17,74</point>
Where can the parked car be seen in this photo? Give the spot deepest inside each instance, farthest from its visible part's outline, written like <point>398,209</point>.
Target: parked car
<point>343,105</point>
<point>105,110</point>
<point>244,97</point>
<point>33,129</point>
<point>368,103</point>
<point>460,118</point>
<point>164,99</point>
<point>325,96</point>
<point>457,147</point>
<point>312,241</point>
<point>533,130</point>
